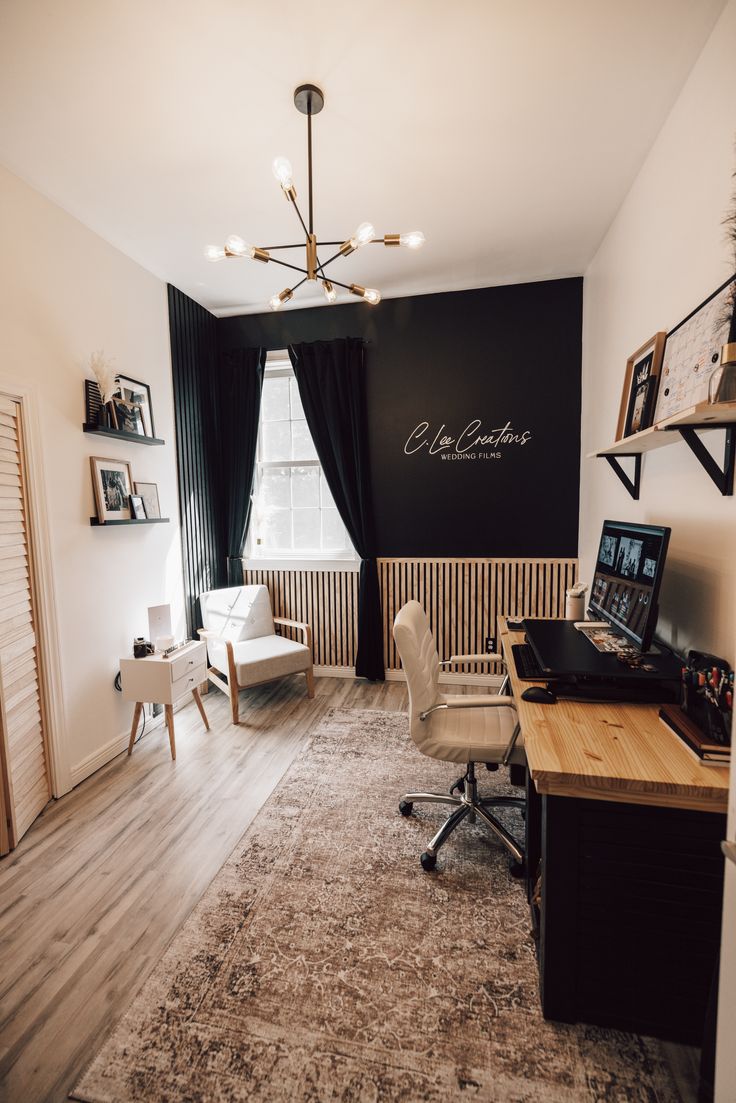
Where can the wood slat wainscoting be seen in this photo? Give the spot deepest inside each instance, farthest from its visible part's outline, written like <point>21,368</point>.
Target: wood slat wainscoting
<point>462,597</point>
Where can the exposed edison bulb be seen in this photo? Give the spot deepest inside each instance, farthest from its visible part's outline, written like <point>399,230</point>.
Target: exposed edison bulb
<point>238,247</point>
<point>372,296</point>
<point>277,301</point>
<point>329,290</point>
<point>413,240</point>
<point>362,235</point>
<point>214,253</point>
<point>282,171</point>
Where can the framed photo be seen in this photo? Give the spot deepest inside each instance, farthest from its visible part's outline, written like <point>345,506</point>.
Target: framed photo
<point>138,394</point>
<point>640,407</point>
<point>643,366</point>
<point>128,416</point>
<point>692,354</point>
<point>137,508</point>
<point>149,494</point>
<point>113,482</point>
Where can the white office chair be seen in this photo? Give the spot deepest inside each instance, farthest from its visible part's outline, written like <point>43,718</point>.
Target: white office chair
<point>242,644</point>
<point>454,728</point>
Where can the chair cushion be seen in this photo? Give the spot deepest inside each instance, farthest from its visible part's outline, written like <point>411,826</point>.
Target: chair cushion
<point>261,659</point>
<point>471,735</point>
<point>237,612</point>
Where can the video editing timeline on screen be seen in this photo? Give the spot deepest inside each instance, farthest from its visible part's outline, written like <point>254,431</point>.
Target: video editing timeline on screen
<point>624,586</point>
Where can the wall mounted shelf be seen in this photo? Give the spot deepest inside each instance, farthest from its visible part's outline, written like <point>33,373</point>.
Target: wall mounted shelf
<point>129,521</point>
<point>682,426</point>
<point>119,434</point>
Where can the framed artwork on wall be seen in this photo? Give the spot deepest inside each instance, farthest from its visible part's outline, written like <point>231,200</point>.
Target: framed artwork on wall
<point>128,416</point>
<point>135,393</point>
<point>692,354</point>
<point>640,386</point>
<point>149,494</point>
<point>113,483</point>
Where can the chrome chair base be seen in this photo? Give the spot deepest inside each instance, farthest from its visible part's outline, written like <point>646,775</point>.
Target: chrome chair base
<point>467,805</point>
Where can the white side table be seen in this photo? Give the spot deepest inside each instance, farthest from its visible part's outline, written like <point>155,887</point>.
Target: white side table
<point>164,680</point>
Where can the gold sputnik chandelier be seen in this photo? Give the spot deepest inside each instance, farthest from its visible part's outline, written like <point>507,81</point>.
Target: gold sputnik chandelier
<point>309,100</point>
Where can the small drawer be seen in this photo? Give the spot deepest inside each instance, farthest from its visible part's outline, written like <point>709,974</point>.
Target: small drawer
<point>185,663</point>
<point>189,681</point>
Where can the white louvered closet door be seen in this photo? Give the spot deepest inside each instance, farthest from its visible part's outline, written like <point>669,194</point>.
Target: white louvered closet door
<point>24,776</point>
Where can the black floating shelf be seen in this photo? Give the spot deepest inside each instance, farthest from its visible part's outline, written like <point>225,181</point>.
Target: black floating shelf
<point>119,434</point>
<point>130,521</point>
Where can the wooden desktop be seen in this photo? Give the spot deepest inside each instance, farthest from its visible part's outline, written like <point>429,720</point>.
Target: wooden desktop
<point>624,862</point>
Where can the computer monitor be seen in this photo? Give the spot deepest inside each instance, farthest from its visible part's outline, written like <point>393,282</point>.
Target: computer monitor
<point>627,578</point>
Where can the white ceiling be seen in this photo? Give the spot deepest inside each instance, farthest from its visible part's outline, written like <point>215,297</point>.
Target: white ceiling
<point>509,131</point>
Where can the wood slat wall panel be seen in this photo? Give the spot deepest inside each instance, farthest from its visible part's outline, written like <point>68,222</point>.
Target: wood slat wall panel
<point>462,597</point>
<point>193,345</point>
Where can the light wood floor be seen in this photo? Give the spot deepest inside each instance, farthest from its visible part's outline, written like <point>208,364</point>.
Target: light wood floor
<point>106,876</point>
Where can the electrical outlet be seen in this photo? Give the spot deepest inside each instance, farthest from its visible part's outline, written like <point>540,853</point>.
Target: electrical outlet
<point>490,644</point>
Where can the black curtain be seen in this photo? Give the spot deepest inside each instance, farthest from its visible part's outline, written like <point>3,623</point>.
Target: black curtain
<point>236,398</point>
<point>331,379</point>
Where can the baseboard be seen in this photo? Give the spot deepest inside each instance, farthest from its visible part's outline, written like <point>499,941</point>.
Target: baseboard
<point>115,746</point>
<point>492,681</point>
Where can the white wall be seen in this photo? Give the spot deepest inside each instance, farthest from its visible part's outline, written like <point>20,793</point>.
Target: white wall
<point>665,252</point>
<point>65,292</point>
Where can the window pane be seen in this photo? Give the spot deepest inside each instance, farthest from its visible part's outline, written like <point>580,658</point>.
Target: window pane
<point>306,528</point>
<point>301,442</point>
<point>334,536</point>
<point>274,488</point>
<point>276,530</point>
<point>297,410</point>
<point>275,400</point>
<point>305,486</point>
<point>276,440</point>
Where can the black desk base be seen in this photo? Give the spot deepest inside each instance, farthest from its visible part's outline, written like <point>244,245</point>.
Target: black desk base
<point>630,919</point>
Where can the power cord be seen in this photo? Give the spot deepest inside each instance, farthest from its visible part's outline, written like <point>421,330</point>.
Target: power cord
<point>119,687</point>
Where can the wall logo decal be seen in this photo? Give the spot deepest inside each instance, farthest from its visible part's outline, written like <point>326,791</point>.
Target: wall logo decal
<point>473,443</point>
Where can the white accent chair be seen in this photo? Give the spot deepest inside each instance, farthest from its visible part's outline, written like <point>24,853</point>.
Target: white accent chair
<point>456,728</point>
<point>242,644</point>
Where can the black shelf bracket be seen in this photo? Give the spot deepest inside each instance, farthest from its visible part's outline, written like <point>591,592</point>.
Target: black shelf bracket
<point>721,476</point>
<point>631,486</point>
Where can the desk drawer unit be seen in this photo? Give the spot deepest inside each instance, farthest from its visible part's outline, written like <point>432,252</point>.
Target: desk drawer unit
<point>164,680</point>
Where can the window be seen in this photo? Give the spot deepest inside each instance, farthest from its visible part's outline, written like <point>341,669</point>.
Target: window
<point>294,515</point>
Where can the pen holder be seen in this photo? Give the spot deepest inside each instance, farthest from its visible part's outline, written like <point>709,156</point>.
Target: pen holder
<point>574,606</point>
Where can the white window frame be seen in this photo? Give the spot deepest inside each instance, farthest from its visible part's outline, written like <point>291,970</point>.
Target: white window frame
<point>278,365</point>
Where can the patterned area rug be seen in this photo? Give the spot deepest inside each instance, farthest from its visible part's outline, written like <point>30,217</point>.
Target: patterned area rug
<point>323,964</point>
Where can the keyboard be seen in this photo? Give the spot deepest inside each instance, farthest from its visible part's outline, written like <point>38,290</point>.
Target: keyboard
<point>527,667</point>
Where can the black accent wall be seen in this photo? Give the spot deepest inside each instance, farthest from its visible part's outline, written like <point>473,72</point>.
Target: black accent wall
<point>504,357</point>
<point>193,358</point>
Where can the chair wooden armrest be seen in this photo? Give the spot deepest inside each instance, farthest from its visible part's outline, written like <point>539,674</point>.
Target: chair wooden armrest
<point>303,628</point>
<point>483,657</point>
<point>470,703</point>
<point>206,634</point>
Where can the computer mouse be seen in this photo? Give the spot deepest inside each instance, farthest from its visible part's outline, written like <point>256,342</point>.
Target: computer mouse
<point>539,695</point>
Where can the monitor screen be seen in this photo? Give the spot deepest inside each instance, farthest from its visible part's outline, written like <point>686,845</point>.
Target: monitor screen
<point>627,577</point>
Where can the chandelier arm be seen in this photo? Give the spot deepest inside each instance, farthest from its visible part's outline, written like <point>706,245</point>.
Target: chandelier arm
<point>299,216</point>
<point>270,248</point>
<point>321,243</point>
<point>283,263</point>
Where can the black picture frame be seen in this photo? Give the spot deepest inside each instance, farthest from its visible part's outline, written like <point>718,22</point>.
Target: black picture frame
<point>135,392</point>
<point>137,507</point>
<point>640,405</point>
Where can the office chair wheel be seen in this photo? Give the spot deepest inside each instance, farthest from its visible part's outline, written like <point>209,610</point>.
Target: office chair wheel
<point>429,861</point>
<point>405,807</point>
<point>491,765</point>
<point>517,869</point>
<point>459,785</point>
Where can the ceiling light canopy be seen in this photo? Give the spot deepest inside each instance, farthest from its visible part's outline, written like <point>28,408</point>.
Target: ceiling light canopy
<point>309,100</point>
